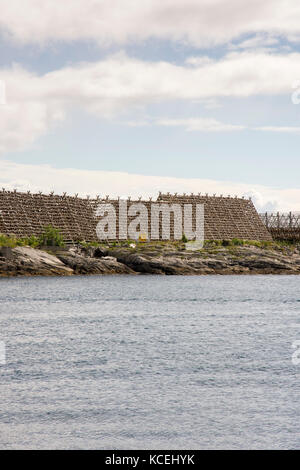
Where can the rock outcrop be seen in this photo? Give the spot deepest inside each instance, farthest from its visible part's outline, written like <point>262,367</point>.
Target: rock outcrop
<point>83,264</point>
<point>27,261</point>
<point>149,259</point>
<point>237,260</point>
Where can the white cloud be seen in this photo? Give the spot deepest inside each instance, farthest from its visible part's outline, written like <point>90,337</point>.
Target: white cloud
<point>203,124</point>
<point>127,81</point>
<point>200,124</point>
<point>258,41</point>
<point>212,125</point>
<point>22,123</point>
<point>201,23</point>
<point>288,129</point>
<point>46,178</point>
<point>119,84</point>
<point>27,114</point>
<point>199,60</point>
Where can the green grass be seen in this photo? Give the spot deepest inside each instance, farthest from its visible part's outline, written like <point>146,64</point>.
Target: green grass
<point>50,237</point>
<point>14,241</point>
<point>238,242</point>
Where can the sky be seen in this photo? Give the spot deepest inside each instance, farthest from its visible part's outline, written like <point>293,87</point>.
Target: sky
<point>133,97</point>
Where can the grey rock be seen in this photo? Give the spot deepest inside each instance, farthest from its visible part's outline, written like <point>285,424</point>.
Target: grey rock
<point>81,264</point>
<point>144,260</point>
<point>6,252</point>
<point>29,261</point>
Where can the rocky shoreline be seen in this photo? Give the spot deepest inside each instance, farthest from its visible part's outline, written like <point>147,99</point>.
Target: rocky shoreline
<point>148,259</point>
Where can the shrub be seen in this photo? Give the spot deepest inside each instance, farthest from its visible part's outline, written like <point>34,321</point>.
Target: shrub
<point>12,241</point>
<point>51,237</point>
<point>32,241</point>
<point>7,241</point>
<point>184,239</point>
<point>212,243</point>
<point>237,242</point>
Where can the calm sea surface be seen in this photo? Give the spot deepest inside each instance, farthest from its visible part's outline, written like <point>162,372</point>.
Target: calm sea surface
<point>144,362</point>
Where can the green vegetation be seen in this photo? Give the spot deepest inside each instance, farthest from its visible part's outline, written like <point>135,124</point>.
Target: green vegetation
<point>184,239</point>
<point>12,241</point>
<point>89,244</point>
<point>236,242</point>
<point>50,237</point>
<point>53,237</point>
<point>109,243</point>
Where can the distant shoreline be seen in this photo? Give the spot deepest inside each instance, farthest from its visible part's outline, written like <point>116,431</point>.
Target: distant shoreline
<point>156,258</point>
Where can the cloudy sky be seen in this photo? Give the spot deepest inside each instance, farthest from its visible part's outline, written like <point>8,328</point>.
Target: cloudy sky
<point>129,97</point>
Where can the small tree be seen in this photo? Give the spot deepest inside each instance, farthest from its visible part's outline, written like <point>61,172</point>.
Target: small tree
<point>51,237</point>
<point>184,239</point>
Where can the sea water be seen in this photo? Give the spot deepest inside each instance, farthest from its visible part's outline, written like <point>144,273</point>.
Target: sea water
<point>150,362</point>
